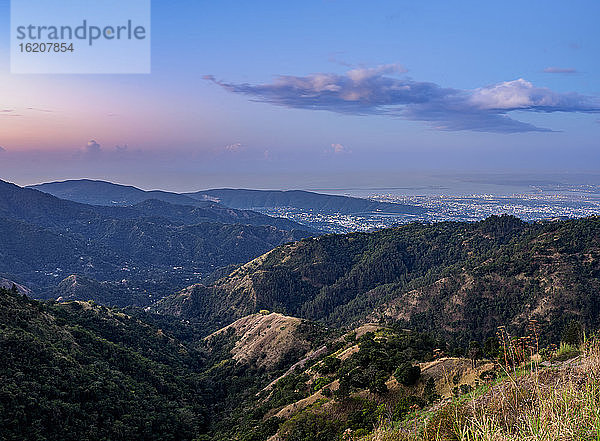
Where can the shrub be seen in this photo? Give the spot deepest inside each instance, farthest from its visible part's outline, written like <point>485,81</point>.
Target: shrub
<point>407,404</point>
<point>565,352</point>
<point>308,426</point>
<point>430,393</point>
<point>320,383</point>
<point>330,365</point>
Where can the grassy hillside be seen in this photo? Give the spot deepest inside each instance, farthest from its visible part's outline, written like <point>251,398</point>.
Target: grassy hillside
<point>545,395</point>
<point>537,402</point>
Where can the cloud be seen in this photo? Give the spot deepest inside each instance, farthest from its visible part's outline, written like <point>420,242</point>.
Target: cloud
<point>378,91</point>
<point>2,149</point>
<point>92,147</point>
<point>560,70</point>
<point>338,149</point>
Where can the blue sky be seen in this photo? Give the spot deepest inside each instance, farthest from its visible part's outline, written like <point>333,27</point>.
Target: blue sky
<point>319,93</point>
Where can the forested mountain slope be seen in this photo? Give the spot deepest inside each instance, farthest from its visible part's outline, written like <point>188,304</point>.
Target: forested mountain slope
<point>81,371</point>
<point>456,279</point>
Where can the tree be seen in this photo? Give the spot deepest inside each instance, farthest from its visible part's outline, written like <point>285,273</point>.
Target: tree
<point>474,352</point>
<point>573,333</point>
<point>407,374</point>
<point>430,393</point>
<point>491,347</point>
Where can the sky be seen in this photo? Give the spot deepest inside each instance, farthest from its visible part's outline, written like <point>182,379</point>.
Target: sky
<point>317,94</point>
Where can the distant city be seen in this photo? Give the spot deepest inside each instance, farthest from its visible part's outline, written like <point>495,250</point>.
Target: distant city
<point>548,202</point>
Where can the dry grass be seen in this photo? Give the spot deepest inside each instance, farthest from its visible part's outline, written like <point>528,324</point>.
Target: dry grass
<point>541,404</point>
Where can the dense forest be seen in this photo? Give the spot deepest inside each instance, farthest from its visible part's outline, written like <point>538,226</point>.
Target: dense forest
<point>82,371</point>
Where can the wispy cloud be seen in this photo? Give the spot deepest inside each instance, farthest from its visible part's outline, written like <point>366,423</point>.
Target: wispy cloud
<point>379,91</point>
<point>37,109</point>
<point>9,112</point>
<point>2,149</point>
<point>334,58</point>
<point>560,70</point>
<point>236,147</point>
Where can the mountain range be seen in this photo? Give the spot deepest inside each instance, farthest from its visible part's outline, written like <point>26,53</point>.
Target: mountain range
<point>229,330</point>
<point>152,245</point>
<point>106,193</point>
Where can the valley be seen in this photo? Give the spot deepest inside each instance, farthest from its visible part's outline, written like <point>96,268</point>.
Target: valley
<point>298,335</point>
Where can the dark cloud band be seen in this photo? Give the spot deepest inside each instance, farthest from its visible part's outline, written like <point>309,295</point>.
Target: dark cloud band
<point>375,91</point>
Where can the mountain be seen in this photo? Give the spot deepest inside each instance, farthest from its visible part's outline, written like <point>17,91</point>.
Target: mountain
<point>93,192</point>
<point>9,285</point>
<point>156,203</point>
<point>78,371</point>
<point>190,215</point>
<point>302,200</point>
<point>457,280</point>
<point>377,326</point>
<point>155,246</point>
